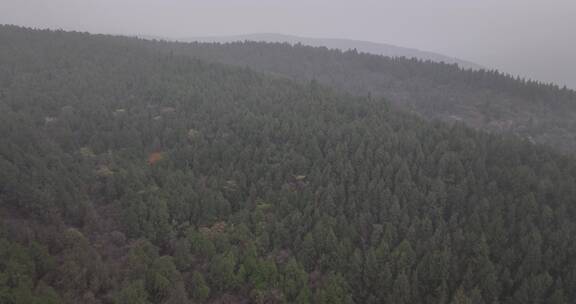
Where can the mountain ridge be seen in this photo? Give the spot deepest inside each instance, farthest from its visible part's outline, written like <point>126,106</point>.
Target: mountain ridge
<point>375,48</point>
<point>484,99</point>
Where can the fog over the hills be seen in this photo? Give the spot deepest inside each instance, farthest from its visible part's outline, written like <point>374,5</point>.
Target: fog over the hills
<point>532,38</point>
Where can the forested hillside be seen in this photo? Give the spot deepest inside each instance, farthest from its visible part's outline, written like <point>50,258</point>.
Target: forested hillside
<point>487,100</point>
<point>339,44</point>
<point>129,174</point>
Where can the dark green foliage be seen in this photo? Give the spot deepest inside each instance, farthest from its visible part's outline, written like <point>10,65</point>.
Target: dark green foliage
<point>131,175</point>
<point>484,99</point>
<point>20,269</point>
<point>200,290</point>
<point>133,293</point>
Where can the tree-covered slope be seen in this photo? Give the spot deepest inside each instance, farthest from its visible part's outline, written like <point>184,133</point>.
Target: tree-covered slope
<point>482,99</point>
<point>132,175</point>
<point>339,44</point>
<point>487,100</point>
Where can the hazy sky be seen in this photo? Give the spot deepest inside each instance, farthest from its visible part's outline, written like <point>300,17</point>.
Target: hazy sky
<point>534,38</point>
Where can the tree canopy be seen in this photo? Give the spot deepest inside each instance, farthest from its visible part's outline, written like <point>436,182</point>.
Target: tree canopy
<point>129,174</point>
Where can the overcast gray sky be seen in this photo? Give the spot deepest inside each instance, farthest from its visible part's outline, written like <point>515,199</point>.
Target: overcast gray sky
<point>533,38</point>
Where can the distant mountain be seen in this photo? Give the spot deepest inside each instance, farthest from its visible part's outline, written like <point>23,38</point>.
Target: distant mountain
<point>340,44</point>
<point>483,99</point>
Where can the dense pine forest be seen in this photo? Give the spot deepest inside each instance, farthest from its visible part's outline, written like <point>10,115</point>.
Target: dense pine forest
<point>133,174</point>
<point>483,99</point>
